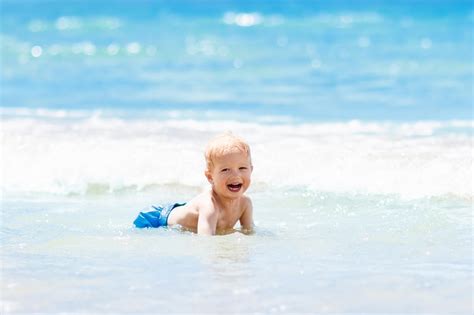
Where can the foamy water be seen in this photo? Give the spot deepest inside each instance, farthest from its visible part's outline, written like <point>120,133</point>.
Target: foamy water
<point>71,155</point>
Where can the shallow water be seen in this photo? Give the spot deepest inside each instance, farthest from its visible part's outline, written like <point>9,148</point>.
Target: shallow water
<point>312,252</point>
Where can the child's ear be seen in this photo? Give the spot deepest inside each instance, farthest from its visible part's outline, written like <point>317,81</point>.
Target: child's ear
<point>208,175</point>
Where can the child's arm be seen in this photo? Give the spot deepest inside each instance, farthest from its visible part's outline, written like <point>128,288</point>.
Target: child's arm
<point>246,220</point>
<point>207,221</point>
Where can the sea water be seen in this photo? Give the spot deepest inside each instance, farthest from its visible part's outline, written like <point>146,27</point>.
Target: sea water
<point>359,117</point>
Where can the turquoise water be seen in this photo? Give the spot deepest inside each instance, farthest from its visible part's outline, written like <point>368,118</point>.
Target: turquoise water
<point>359,117</point>
<point>408,60</point>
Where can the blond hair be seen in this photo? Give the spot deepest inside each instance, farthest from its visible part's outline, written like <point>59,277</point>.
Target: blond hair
<point>223,144</point>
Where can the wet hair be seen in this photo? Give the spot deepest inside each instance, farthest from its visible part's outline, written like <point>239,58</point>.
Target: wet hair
<point>223,144</point>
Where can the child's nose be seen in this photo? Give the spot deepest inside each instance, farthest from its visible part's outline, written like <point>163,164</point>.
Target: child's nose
<point>235,172</point>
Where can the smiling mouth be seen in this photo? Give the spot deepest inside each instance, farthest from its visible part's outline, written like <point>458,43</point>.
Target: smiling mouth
<point>234,187</point>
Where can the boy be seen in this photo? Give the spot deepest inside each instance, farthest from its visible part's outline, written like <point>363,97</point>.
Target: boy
<point>228,170</point>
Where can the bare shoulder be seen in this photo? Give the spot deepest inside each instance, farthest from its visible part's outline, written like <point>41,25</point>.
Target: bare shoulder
<point>203,203</point>
<point>246,203</point>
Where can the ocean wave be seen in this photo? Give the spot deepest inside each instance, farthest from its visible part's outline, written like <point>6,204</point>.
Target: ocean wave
<point>63,152</point>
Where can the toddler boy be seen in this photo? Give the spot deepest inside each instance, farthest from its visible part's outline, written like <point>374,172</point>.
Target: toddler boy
<point>228,170</point>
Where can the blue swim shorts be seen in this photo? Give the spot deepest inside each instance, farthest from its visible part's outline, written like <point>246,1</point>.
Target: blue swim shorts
<point>155,216</point>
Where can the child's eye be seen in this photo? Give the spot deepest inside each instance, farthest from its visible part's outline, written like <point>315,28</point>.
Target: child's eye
<point>242,168</point>
<point>224,170</point>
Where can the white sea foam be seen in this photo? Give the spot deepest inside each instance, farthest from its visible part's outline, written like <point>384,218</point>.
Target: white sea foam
<point>74,152</point>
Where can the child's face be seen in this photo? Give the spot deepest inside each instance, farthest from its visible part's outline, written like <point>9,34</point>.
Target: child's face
<point>230,176</point>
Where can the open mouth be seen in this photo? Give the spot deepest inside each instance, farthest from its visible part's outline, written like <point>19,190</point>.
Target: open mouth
<point>234,187</point>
